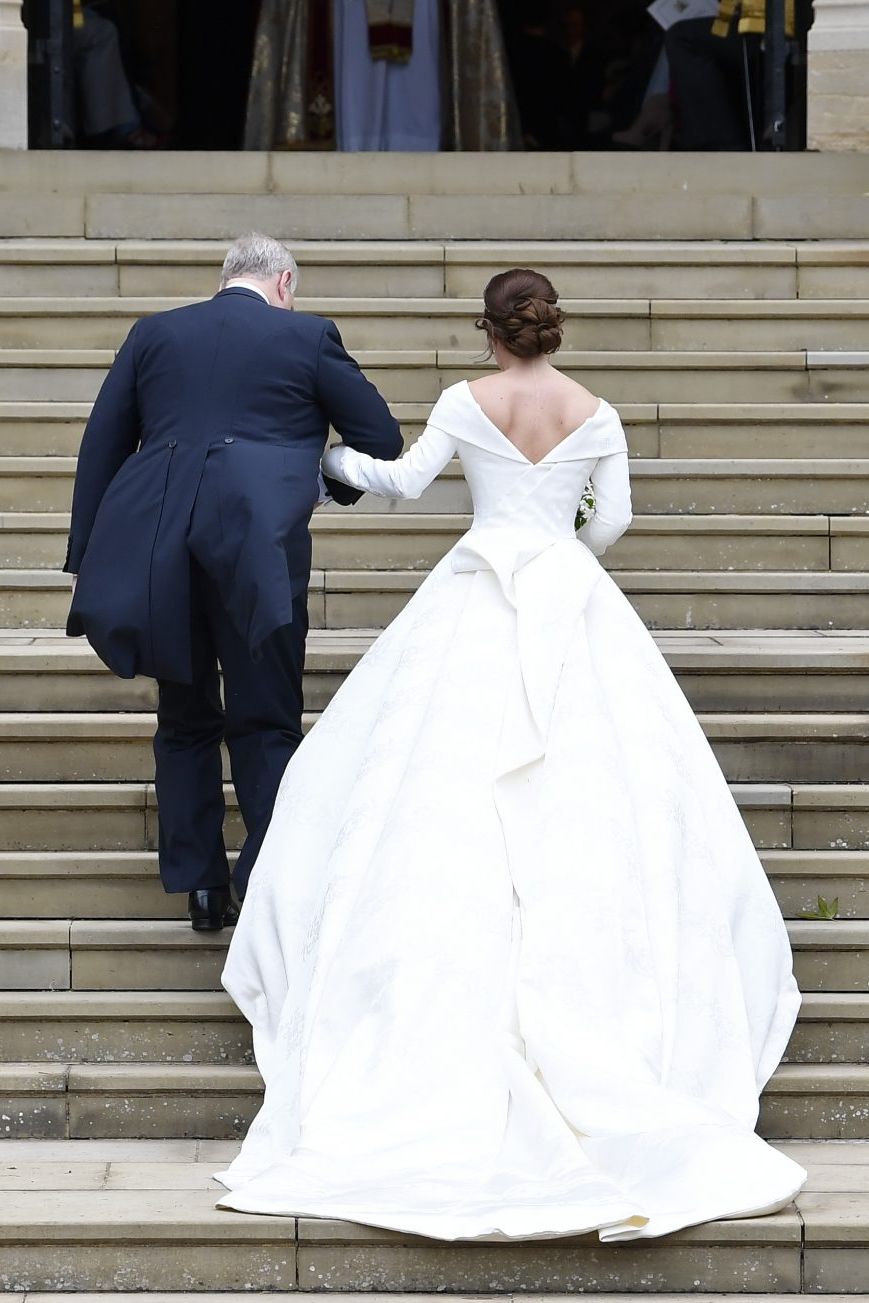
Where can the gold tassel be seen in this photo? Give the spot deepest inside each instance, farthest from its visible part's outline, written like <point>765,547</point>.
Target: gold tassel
<point>752,17</point>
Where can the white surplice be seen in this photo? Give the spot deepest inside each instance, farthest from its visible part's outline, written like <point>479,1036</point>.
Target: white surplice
<point>512,964</point>
<point>381,104</point>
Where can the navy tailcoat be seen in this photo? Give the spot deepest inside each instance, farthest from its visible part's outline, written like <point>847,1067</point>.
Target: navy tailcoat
<point>206,439</point>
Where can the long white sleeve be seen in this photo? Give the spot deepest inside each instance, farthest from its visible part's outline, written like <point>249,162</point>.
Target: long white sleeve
<point>404,478</point>
<point>611,483</point>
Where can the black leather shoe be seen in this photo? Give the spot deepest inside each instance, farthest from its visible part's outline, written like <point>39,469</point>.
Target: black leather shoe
<point>212,909</point>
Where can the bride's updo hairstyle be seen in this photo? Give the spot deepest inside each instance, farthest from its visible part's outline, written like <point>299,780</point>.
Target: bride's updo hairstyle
<point>521,312</point>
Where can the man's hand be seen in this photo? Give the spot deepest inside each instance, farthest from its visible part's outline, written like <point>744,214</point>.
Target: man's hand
<point>325,496</point>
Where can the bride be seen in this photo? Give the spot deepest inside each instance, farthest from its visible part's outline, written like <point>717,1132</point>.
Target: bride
<point>512,964</point>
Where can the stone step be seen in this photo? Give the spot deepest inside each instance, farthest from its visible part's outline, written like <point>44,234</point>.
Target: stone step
<point>800,877</point>
<point>660,486</point>
<point>345,268</point>
<point>436,268</point>
<point>828,429</point>
<point>166,955</point>
<point>387,323</point>
<point>698,540</point>
<point>114,1033</point>
<point>53,430</point>
<point>375,1297</point>
<point>125,884</point>
<point>668,213</point>
<point>416,541</point>
<point>109,817</point>
<point>769,670</point>
<point>418,375</point>
<point>92,746</point>
<point>729,269</point>
<point>726,600</point>
<point>202,1026</point>
<point>423,322</point>
<point>173,1101</point>
<point>149,1223</point>
<point>449,173</point>
<point>737,432</point>
<point>689,269</point>
<point>739,487</point>
<point>703,600</point>
<point>119,1026</point>
<point>668,599</point>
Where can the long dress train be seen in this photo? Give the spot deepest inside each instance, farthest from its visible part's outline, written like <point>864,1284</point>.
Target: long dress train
<point>511,961</point>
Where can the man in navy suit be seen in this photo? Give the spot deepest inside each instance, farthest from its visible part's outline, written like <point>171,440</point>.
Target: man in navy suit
<point>197,477</point>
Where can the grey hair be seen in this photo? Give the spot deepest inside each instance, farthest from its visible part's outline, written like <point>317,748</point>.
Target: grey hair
<point>259,257</point>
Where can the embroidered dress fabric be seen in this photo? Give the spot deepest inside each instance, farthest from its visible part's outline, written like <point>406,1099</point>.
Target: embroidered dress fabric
<point>513,967</point>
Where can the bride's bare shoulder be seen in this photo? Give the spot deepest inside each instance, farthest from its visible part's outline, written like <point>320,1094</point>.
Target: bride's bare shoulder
<point>493,383</point>
<point>579,403</point>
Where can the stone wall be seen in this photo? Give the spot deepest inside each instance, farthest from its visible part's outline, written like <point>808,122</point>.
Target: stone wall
<point>838,96</point>
<point>13,77</point>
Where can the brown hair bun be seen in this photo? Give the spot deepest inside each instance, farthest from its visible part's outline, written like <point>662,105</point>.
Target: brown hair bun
<point>521,312</point>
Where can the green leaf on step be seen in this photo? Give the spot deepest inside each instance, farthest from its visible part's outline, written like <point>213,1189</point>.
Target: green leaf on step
<point>827,909</point>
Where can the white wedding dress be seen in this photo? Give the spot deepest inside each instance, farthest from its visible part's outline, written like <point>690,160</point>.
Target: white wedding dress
<point>512,964</point>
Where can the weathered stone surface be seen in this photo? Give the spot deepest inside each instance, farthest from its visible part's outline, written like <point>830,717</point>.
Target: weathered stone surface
<point>111,955</point>
<point>811,217</point>
<point>29,215</point>
<point>224,216</point>
<point>838,101</point>
<point>793,430</point>
<point>832,1029</point>
<point>661,216</point>
<point>124,1027</point>
<point>800,877</point>
<point>32,1102</point>
<point>148,1265</point>
<point>371,1261</point>
<point>173,1101</point>
<point>52,1176</point>
<point>837,1242</point>
<point>161,1194</point>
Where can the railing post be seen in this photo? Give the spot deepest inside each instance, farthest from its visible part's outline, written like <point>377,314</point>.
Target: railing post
<point>59,53</point>
<point>775,76</point>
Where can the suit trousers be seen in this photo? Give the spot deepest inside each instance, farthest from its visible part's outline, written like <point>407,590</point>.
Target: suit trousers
<point>259,719</point>
<point>708,75</point>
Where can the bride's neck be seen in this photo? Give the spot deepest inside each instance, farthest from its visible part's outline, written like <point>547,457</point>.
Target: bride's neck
<point>508,361</point>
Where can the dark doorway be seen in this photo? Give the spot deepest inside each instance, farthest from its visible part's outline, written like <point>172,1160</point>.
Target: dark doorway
<point>588,75</point>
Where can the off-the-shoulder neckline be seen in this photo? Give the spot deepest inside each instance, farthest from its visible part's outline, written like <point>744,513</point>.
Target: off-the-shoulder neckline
<point>602,403</point>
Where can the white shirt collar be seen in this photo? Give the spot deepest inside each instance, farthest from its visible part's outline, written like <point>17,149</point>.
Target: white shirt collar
<point>238,284</point>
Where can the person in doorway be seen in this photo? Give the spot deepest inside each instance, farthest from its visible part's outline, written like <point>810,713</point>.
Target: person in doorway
<point>712,56</point>
<point>388,75</point>
<point>541,68</point>
<point>326,76</point>
<point>585,77</point>
<point>110,116</point>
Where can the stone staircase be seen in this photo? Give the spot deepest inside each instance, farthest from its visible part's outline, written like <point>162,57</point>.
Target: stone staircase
<point>725,310</point>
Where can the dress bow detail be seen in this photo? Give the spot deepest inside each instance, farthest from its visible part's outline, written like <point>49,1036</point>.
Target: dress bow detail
<point>503,551</point>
